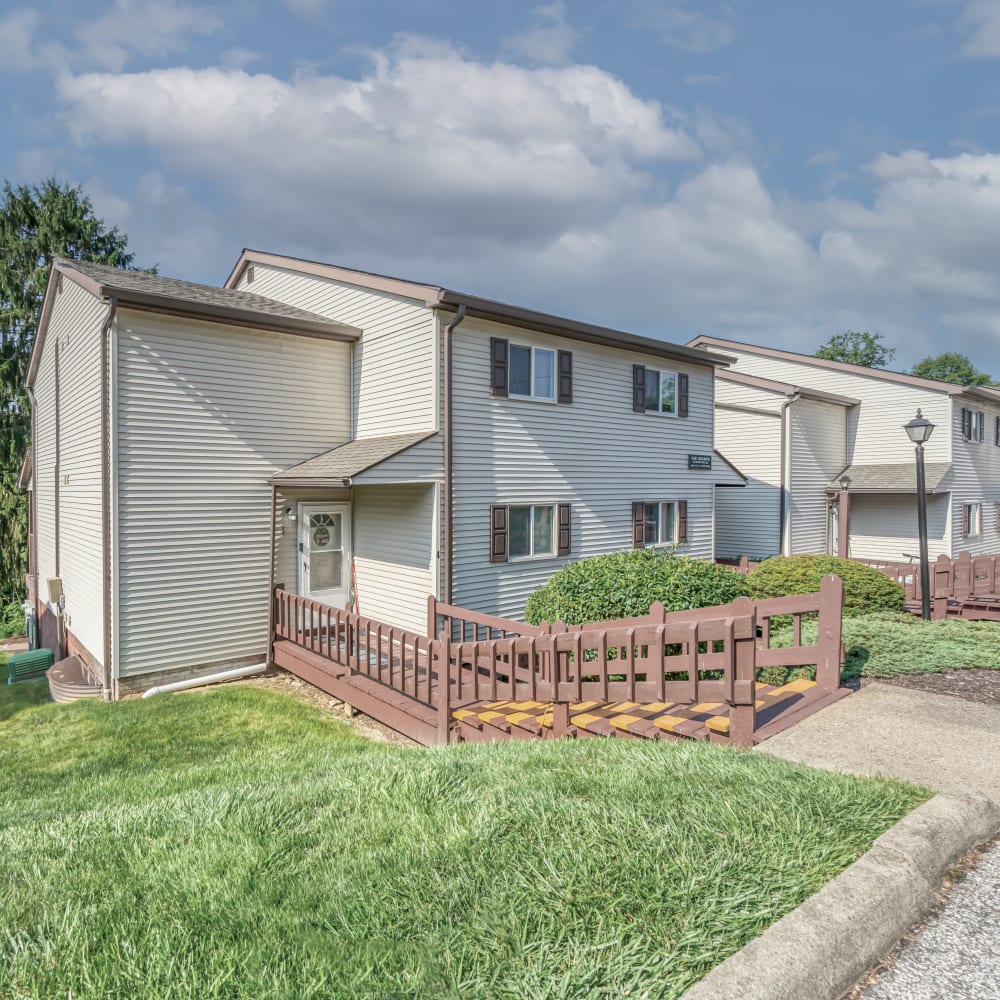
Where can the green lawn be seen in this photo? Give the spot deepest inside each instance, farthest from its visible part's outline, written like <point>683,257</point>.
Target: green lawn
<point>236,843</point>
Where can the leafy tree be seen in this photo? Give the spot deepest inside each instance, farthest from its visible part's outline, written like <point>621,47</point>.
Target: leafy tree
<point>867,349</point>
<point>951,367</point>
<point>37,222</point>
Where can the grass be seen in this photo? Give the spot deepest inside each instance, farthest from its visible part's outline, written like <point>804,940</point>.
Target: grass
<point>235,843</point>
<point>886,645</point>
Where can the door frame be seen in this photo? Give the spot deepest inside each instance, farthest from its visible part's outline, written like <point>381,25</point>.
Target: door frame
<point>303,509</point>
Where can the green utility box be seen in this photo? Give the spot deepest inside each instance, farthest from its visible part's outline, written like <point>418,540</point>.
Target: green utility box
<point>33,663</point>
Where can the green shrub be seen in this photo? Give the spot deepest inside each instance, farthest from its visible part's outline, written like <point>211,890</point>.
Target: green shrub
<point>886,645</point>
<point>866,590</point>
<point>11,620</point>
<point>624,584</point>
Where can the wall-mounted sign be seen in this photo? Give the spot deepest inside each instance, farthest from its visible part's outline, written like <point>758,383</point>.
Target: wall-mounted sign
<point>699,461</point>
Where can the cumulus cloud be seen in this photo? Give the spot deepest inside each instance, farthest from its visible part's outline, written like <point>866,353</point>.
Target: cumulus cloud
<point>556,187</point>
<point>17,40</point>
<point>550,39</point>
<point>150,28</point>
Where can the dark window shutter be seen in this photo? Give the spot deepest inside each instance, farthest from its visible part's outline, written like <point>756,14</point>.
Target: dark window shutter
<point>682,395</point>
<point>639,520</point>
<point>682,520</point>
<point>965,424</point>
<point>966,518</point>
<point>498,533</point>
<point>997,506</point>
<point>565,529</point>
<point>639,388</point>
<point>996,432</point>
<point>498,367</point>
<point>565,376</point>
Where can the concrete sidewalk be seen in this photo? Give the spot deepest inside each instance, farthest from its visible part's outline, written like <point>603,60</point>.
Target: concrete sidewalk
<point>952,746</point>
<point>945,743</point>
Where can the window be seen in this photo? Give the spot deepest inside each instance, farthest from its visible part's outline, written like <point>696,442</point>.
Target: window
<point>972,425</point>
<point>528,531</point>
<point>659,522</point>
<point>532,372</point>
<point>661,391</point>
<point>972,520</point>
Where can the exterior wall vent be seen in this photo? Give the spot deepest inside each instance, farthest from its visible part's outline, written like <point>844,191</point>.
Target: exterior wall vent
<point>249,274</point>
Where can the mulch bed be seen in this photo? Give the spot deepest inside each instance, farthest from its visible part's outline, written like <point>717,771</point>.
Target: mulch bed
<point>972,685</point>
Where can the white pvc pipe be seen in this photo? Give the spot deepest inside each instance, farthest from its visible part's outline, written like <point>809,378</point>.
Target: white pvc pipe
<point>225,675</point>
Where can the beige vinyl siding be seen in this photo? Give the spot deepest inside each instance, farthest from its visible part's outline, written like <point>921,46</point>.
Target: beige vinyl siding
<point>884,526</point>
<point>394,552</point>
<point>595,454</point>
<point>974,478</point>
<point>206,414</point>
<point>395,360</point>
<point>43,473</point>
<point>75,331</point>
<point>875,428</point>
<point>747,521</point>
<point>77,321</point>
<point>423,463</point>
<point>818,441</point>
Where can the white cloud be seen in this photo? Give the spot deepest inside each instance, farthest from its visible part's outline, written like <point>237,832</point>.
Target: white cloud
<point>678,26</point>
<point>549,187</point>
<point>17,40</point>
<point>150,28</point>
<point>550,40</point>
<point>980,20</point>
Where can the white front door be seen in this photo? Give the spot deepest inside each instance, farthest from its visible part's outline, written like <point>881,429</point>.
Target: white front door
<point>325,552</point>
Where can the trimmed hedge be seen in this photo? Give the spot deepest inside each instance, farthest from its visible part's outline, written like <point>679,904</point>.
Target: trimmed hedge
<point>866,590</point>
<point>624,584</point>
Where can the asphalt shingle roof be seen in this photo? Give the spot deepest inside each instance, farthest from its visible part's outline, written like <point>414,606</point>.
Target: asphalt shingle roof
<point>351,459</point>
<point>892,478</point>
<point>191,293</point>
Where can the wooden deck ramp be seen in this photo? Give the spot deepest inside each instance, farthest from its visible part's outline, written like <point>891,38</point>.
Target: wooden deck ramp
<point>681,675</point>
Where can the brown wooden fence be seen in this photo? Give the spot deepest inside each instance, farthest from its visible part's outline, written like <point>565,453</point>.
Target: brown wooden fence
<point>684,657</point>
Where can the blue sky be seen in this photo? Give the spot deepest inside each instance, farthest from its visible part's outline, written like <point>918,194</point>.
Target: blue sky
<point>773,171</point>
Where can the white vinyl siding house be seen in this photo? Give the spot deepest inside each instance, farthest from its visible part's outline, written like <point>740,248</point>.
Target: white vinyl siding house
<point>67,482</point>
<point>596,454</point>
<point>964,467</point>
<point>206,414</point>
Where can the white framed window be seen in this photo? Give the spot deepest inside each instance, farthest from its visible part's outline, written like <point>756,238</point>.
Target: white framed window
<point>532,372</point>
<point>973,422</point>
<point>661,391</point>
<point>660,523</point>
<point>972,520</point>
<point>532,531</point>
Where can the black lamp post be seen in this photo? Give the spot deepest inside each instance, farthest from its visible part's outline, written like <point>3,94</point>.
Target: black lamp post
<point>919,430</point>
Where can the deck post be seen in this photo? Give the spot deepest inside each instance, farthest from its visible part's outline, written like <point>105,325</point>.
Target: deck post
<point>431,616</point>
<point>830,626</point>
<point>743,706</point>
<point>443,651</point>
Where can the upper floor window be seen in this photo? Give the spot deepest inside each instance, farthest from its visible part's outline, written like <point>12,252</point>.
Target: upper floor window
<point>661,391</point>
<point>972,424</point>
<point>532,372</point>
<point>655,390</point>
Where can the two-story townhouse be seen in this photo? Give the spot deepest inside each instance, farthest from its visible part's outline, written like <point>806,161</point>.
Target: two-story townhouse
<point>350,436</point>
<point>831,469</point>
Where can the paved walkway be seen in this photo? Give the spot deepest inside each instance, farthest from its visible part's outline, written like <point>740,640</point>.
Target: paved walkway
<point>947,744</point>
<point>957,955</point>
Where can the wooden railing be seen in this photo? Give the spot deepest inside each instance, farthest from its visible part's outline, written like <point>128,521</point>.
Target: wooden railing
<point>683,657</point>
<point>954,581</point>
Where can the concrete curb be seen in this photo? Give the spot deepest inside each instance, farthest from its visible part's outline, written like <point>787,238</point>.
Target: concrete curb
<point>818,951</point>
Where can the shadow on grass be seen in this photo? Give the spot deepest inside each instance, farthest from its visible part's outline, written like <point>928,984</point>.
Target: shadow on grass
<point>22,695</point>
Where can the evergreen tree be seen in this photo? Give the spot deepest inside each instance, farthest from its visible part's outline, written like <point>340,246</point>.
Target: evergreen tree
<point>37,222</point>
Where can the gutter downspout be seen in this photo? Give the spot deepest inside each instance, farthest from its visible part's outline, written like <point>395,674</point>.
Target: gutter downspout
<point>446,585</point>
<point>270,574</point>
<point>784,516</point>
<point>33,513</point>
<point>106,493</point>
